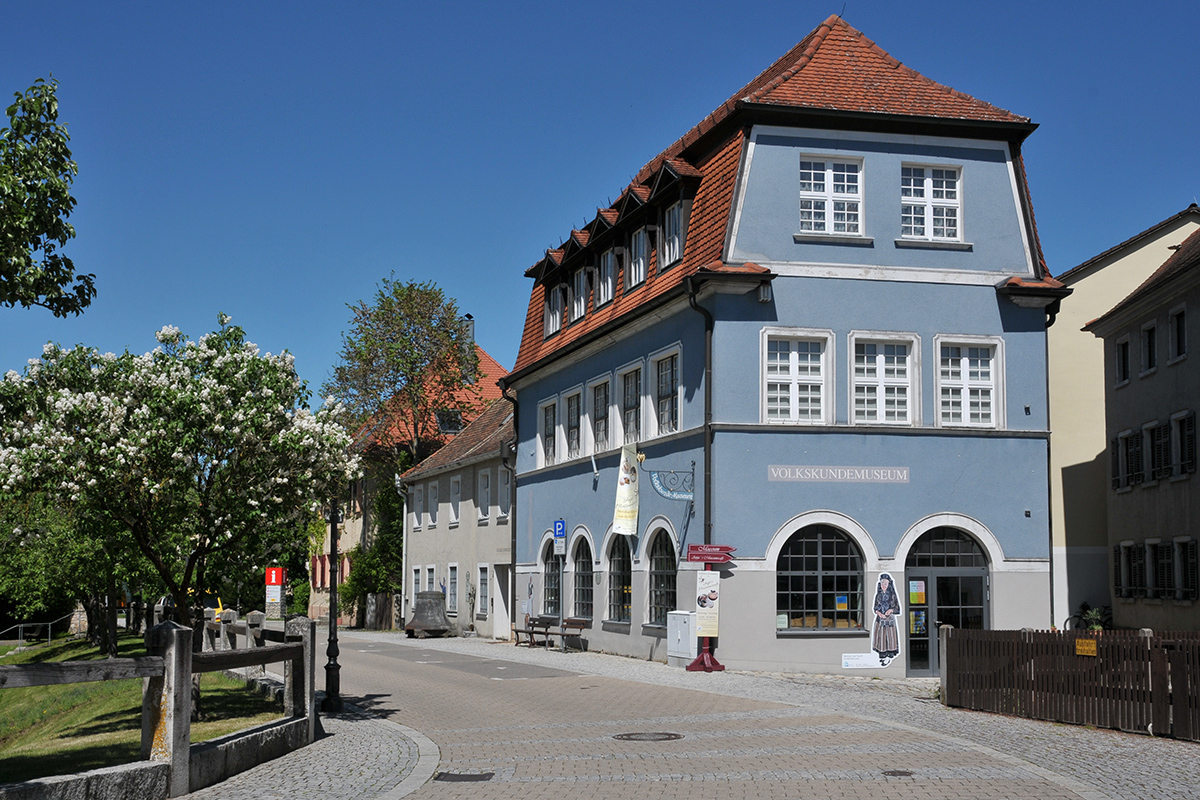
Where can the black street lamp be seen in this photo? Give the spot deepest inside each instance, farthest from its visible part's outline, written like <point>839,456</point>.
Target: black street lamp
<point>333,682</point>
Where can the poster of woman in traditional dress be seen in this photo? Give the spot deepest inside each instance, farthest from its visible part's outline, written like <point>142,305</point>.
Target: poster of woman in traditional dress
<point>885,637</point>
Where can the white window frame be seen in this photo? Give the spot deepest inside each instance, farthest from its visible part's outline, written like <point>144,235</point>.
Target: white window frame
<point>416,585</point>
<point>673,351</point>
<point>997,383</point>
<point>504,494</point>
<point>483,573</point>
<point>1149,349</point>
<point>418,509</point>
<point>452,588</point>
<point>455,501</point>
<point>589,399</point>
<point>576,393</point>
<point>552,312</point>
<point>579,295</point>
<point>548,457</point>
<point>430,578</point>
<point>432,494</point>
<point>912,383</point>
<point>671,251</point>
<point>638,267</point>
<point>619,403</point>
<point>606,278</point>
<point>1178,350</point>
<point>828,359</point>
<point>928,203</point>
<point>821,221</point>
<point>1122,366</point>
<point>483,496</point>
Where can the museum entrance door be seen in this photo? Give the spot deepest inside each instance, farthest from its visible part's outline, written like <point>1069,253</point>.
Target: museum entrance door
<point>947,581</point>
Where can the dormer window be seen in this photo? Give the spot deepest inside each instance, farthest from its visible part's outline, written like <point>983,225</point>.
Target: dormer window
<point>606,279</point>
<point>672,239</point>
<point>930,203</point>
<point>578,294</point>
<point>449,421</point>
<point>639,258</point>
<point>553,312</point>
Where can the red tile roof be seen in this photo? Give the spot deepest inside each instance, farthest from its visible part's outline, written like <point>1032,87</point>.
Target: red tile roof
<point>835,68</point>
<point>484,437</point>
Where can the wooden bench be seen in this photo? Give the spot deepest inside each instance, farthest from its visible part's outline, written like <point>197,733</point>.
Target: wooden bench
<point>537,626</point>
<point>573,627</point>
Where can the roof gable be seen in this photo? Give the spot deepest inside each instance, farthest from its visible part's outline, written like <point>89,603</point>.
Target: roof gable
<point>1185,259</point>
<point>483,437</point>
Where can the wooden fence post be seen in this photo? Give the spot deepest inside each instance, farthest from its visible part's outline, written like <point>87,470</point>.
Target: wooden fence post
<point>255,621</point>
<point>167,704</point>
<point>229,619</point>
<point>944,633</point>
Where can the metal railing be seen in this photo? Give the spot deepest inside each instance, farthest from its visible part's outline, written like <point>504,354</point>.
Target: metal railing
<point>21,627</point>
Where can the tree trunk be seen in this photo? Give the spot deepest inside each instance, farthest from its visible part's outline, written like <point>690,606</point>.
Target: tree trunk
<point>110,626</point>
<point>95,619</point>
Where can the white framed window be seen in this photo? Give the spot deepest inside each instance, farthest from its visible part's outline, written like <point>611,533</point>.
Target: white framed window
<point>1126,453</point>
<point>606,278</point>
<point>574,417</point>
<point>416,582</point>
<point>432,494</point>
<point>483,501</point>
<point>1149,348</point>
<point>666,392</point>
<point>452,589</point>
<point>552,311</point>
<point>1121,360</point>
<point>504,495</point>
<point>830,195</point>
<point>455,499</point>
<point>1183,443</point>
<point>482,593</point>
<point>639,259</point>
<point>797,376</point>
<point>548,431</point>
<point>672,240</point>
<point>430,576</point>
<point>579,294</point>
<point>418,503</point>
<point>1178,325</point>
<point>970,381</point>
<point>884,379</point>
<point>930,202</point>
<point>598,415</point>
<point>629,381</point>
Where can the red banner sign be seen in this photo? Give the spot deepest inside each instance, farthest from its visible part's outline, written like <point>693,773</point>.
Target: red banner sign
<point>710,548</point>
<point>709,558</point>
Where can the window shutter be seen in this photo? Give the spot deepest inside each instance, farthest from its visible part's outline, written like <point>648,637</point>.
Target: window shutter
<point>1118,587</point>
<point>1116,463</point>
<point>1191,574</point>
<point>1187,443</point>
<point>1137,570</point>
<point>1135,458</point>
<point>1163,432</point>
<point>1164,581</point>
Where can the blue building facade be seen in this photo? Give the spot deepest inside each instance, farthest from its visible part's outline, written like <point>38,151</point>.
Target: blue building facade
<point>824,312</point>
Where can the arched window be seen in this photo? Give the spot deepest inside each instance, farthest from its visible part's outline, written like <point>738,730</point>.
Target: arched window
<point>662,578</point>
<point>583,580</point>
<point>946,547</point>
<point>620,577</point>
<point>551,581</point>
<point>819,581</point>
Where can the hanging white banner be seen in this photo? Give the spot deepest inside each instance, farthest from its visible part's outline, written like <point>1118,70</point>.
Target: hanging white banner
<point>625,514</point>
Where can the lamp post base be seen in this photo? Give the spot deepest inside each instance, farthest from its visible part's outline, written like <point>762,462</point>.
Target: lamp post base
<point>705,661</point>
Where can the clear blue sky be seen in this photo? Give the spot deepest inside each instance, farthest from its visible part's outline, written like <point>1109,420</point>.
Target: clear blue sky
<point>275,160</point>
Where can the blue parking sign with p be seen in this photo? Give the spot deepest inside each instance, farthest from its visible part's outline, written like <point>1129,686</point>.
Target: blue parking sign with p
<point>560,537</point>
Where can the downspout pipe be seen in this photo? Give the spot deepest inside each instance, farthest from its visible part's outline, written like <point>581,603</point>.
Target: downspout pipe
<point>508,461</point>
<point>691,285</point>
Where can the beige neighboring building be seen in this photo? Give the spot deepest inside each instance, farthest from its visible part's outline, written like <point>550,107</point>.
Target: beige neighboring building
<point>457,536</point>
<point>1079,450</point>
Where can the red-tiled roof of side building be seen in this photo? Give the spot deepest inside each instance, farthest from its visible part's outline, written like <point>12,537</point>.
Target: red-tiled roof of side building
<point>483,437</point>
<point>835,68</point>
<point>488,390</point>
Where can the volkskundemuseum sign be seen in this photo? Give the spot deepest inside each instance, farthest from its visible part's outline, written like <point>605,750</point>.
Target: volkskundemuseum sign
<point>838,474</point>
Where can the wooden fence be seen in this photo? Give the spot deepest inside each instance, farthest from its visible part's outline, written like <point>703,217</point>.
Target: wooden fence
<point>166,694</point>
<point>1138,681</point>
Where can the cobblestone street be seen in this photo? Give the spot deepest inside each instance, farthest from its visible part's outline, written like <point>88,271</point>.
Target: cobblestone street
<point>526,723</point>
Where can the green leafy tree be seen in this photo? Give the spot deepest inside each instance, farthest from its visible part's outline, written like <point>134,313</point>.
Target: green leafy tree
<point>408,357</point>
<point>376,568</point>
<point>36,171</point>
<point>199,449</point>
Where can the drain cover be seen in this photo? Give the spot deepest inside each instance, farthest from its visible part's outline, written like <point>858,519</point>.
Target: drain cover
<point>648,737</point>
<point>897,773</point>
<point>464,776</point>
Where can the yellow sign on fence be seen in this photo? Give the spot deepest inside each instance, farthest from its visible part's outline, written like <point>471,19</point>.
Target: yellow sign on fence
<point>1085,647</point>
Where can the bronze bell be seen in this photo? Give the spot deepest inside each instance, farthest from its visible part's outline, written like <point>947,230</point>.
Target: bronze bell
<point>429,615</point>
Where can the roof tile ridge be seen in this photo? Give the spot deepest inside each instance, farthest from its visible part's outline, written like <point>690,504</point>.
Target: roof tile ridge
<point>817,38</point>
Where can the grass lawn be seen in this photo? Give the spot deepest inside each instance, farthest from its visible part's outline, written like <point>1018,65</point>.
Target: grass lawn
<point>54,730</point>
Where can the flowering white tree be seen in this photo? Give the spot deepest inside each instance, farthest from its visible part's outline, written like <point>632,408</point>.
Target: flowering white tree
<point>197,448</point>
